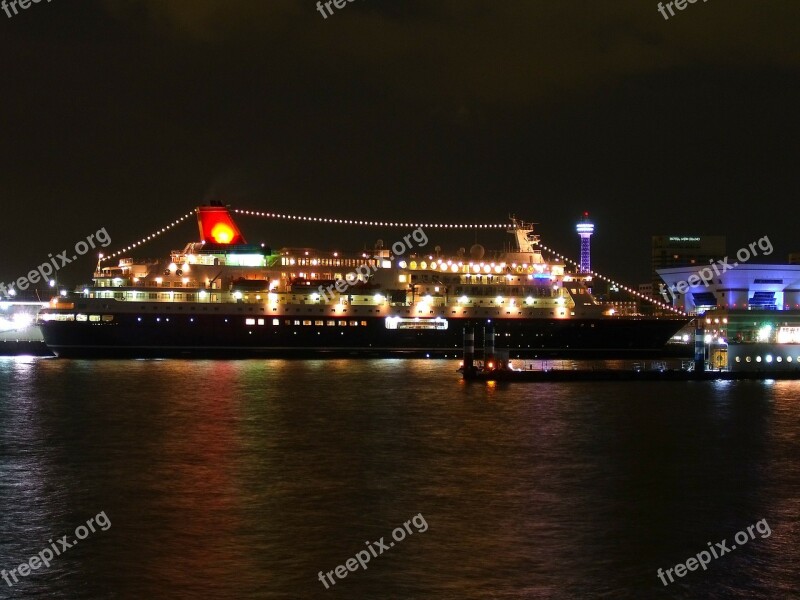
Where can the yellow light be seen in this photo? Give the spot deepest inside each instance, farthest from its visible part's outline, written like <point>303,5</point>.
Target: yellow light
<point>222,233</point>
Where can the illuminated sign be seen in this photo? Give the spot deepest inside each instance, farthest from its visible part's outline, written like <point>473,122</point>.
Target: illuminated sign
<point>683,239</point>
<point>789,335</point>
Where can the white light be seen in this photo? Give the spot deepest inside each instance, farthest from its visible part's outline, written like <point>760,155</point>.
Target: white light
<point>52,283</point>
<point>378,298</point>
<point>237,295</point>
<point>499,300</point>
<point>202,294</point>
<point>463,300</point>
<point>22,320</point>
<point>529,300</point>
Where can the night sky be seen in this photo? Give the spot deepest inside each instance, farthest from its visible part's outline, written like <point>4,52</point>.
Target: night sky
<point>125,114</point>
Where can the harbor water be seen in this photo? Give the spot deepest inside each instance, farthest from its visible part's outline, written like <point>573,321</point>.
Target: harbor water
<point>256,479</point>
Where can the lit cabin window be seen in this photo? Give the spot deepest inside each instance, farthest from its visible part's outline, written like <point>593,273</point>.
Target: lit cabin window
<point>249,321</point>
<point>94,318</point>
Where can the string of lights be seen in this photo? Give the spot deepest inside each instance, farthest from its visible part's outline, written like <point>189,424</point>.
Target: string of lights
<point>359,222</point>
<point>269,215</point>
<point>620,285</point>
<point>144,240</point>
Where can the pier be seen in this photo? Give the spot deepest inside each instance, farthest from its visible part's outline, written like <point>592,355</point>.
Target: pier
<point>496,366</point>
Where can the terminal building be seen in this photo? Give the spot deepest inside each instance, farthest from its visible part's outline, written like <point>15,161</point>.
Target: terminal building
<point>744,287</point>
<point>750,313</point>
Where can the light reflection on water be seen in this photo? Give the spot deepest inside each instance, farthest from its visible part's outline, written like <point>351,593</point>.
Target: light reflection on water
<point>243,479</point>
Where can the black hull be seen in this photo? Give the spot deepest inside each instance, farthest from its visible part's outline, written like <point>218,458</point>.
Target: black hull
<point>207,336</point>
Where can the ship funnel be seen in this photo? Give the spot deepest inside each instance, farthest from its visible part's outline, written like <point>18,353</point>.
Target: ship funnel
<point>217,226</point>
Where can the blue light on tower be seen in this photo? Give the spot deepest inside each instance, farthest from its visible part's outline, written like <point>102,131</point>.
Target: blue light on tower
<point>585,229</point>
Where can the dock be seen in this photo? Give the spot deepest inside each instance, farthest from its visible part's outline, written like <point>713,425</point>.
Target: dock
<point>557,375</point>
<point>496,366</point>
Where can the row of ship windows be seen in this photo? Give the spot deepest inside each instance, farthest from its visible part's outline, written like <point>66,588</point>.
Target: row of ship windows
<point>79,317</point>
<point>768,359</point>
<point>307,322</point>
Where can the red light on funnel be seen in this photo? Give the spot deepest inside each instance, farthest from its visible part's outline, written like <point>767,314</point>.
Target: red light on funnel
<point>217,226</point>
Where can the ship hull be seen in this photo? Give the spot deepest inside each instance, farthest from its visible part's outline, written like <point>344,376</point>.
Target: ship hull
<point>228,336</point>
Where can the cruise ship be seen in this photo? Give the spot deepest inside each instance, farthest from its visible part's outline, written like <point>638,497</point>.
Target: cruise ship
<point>223,297</point>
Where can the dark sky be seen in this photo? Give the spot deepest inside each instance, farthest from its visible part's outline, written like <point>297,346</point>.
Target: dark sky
<point>127,113</point>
